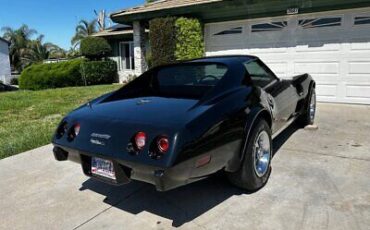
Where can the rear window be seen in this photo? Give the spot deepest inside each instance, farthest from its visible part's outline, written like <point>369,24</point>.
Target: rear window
<point>191,75</point>
<point>189,80</point>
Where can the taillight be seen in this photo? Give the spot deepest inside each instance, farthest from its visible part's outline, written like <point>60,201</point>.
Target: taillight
<point>62,129</point>
<point>163,144</point>
<point>76,129</point>
<point>140,140</point>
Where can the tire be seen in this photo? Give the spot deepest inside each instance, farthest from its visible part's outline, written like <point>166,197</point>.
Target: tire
<point>308,115</point>
<point>249,177</point>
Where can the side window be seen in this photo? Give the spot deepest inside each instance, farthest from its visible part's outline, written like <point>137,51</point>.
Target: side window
<point>259,74</point>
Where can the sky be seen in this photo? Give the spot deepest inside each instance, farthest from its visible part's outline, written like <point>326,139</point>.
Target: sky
<point>56,19</point>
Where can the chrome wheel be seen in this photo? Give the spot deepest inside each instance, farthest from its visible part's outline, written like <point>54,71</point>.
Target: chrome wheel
<point>262,154</point>
<point>312,108</point>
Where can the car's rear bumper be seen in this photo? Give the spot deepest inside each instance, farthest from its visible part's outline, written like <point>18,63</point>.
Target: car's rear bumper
<point>163,178</point>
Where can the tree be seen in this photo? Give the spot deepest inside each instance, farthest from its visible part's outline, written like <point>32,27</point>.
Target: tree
<point>95,48</point>
<point>84,29</point>
<point>37,51</point>
<point>19,39</point>
<point>25,51</point>
<point>73,52</point>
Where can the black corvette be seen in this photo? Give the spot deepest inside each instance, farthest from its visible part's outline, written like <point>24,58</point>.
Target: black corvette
<point>180,123</point>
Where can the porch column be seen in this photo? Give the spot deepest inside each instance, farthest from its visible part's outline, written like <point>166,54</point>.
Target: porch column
<point>139,47</point>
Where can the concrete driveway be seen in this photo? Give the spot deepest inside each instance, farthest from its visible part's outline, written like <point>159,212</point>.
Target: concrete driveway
<point>320,180</point>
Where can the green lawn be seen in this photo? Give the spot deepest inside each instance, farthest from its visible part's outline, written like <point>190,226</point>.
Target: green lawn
<point>29,118</point>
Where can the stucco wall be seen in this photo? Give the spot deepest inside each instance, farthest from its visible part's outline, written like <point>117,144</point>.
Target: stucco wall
<point>4,62</point>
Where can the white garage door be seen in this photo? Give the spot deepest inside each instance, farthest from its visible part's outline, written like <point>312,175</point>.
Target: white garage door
<point>334,47</point>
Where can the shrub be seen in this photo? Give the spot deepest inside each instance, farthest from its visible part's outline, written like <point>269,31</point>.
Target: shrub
<point>95,48</point>
<point>189,39</point>
<point>53,75</point>
<point>99,72</point>
<point>173,39</point>
<point>162,38</point>
<point>14,81</point>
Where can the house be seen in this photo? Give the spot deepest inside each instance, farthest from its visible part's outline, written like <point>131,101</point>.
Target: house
<point>120,37</point>
<point>330,39</point>
<point>5,73</point>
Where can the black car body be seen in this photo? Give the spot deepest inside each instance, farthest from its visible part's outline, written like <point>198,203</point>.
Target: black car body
<point>6,88</point>
<point>206,120</point>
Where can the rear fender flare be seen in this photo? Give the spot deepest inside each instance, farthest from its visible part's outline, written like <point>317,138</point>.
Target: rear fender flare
<point>253,116</point>
<point>307,99</point>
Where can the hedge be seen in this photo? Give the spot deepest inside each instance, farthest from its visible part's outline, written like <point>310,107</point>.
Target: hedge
<point>78,72</point>
<point>173,39</point>
<point>189,39</point>
<point>95,48</point>
<point>99,72</point>
<point>162,38</point>
<point>53,75</point>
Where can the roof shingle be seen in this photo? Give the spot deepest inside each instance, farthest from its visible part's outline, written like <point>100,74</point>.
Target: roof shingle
<point>160,5</point>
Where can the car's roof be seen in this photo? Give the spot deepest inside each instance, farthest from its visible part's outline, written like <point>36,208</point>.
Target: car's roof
<point>225,58</point>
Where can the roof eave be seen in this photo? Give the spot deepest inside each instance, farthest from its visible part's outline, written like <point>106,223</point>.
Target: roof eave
<point>4,40</point>
<point>238,9</point>
<point>128,17</point>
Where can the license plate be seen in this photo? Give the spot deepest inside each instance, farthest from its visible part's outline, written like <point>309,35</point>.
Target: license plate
<point>103,168</point>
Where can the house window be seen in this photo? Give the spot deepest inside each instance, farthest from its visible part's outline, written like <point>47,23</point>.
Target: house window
<point>236,30</point>
<point>362,20</point>
<point>271,26</point>
<point>320,22</point>
<point>127,55</point>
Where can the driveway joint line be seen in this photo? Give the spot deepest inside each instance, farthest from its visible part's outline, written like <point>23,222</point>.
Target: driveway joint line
<point>106,209</point>
<point>323,154</point>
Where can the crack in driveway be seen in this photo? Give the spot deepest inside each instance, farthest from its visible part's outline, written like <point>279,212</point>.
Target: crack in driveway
<point>323,154</point>
<point>111,206</point>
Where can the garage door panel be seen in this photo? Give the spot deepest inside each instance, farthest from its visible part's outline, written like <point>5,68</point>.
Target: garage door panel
<point>359,67</point>
<point>266,50</point>
<point>325,78</point>
<point>330,46</point>
<point>279,68</point>
<point>360,46</point>
<point>217,50</point>
<point>358,91</point>
<point>228,41</point>
<point>328,91</point>
<point>334,47</point>
<point>323,67</point>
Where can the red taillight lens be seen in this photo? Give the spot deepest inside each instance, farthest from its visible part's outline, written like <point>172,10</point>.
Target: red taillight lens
<point>163,144</point>
<point>140,140</point>
<point>62,129</point>
<point>76,129</point>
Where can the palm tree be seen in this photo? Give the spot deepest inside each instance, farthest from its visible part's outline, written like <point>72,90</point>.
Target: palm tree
<point>84,29</point>
<point>19,39</point>
<point>37,51</point>
<point>73,52</point>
